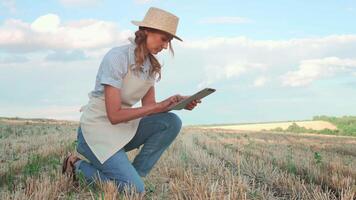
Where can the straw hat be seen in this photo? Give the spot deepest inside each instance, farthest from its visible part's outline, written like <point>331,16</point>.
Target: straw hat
<point>159,19</point>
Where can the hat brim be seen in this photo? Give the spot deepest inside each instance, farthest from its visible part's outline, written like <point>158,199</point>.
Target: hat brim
<point>142,24</point>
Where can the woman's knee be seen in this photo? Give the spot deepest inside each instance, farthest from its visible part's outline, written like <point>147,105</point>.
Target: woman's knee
<point>174,121</point>
<point>83,149</point>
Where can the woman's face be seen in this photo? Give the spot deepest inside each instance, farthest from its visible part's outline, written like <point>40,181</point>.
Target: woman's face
<point>156,41</point>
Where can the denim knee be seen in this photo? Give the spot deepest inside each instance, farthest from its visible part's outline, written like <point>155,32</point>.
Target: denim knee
<point>174,122</point>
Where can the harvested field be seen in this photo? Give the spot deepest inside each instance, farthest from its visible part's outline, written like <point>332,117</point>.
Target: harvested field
<point>200,164</point>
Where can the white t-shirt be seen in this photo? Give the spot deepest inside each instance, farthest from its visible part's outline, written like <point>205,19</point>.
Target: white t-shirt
<point>114,66</point>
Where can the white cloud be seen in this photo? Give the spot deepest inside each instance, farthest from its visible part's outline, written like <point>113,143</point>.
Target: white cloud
<point>302,45</point>
<point>260,81</point>
<point>225,20</point>
<point>223,57</point>
<point>215,73</point>
<point>311,70</point>
<point>276,57</point>
<point>47,33</point>
<point>46,24</point>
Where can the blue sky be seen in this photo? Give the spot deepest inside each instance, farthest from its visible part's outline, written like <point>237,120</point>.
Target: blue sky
<point>268,60</point>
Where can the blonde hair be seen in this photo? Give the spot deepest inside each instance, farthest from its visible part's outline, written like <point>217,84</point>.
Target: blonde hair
<point>141,49</point>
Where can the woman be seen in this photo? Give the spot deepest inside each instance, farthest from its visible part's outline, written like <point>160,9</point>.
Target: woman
<point>109,126</point>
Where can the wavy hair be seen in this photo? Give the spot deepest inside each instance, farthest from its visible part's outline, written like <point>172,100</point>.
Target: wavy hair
<point>141,50</point>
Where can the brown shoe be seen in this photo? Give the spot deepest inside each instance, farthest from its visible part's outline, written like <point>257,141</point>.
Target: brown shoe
<point>68,166</point>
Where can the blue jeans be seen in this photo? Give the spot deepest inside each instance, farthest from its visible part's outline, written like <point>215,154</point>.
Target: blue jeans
<point>155,132</point>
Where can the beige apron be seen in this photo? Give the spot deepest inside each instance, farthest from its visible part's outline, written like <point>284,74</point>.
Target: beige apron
<point>103,138</point>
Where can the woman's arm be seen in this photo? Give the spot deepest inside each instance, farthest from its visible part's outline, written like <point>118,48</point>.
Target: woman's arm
<point>149,98</point>
<point>116,114</point>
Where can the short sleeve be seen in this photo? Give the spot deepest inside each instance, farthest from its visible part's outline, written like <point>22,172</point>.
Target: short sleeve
<point>113,69</point>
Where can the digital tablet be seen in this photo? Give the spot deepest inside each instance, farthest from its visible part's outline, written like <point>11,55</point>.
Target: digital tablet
<point>199,95</point>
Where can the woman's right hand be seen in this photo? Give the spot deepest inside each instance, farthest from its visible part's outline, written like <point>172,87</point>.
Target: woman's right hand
<point>165,104</point>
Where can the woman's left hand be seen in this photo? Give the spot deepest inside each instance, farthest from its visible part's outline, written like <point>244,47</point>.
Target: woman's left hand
<point>191,105</point>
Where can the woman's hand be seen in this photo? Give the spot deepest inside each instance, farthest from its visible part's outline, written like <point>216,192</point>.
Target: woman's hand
<point>191,105</point>
<point>165,104</point>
